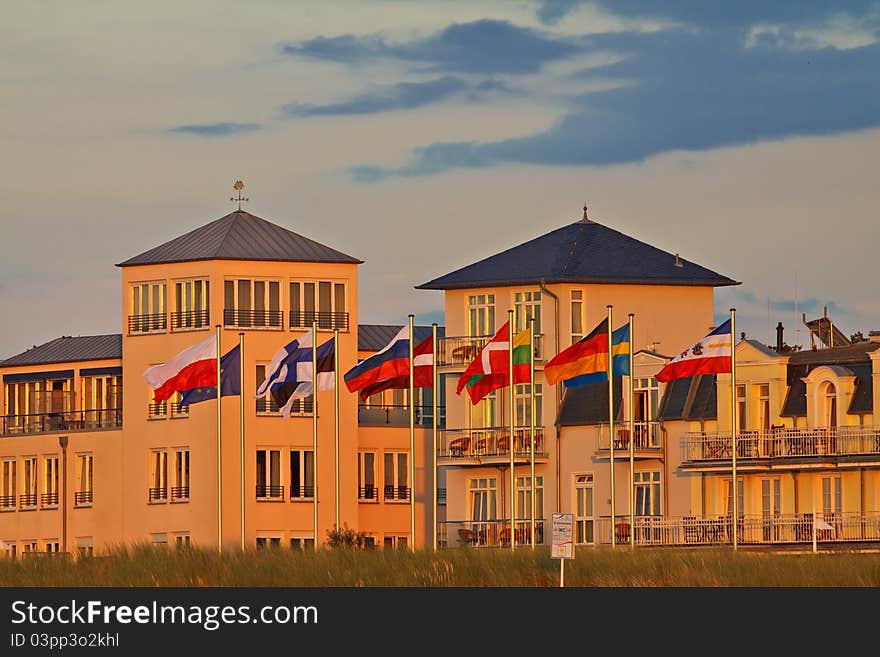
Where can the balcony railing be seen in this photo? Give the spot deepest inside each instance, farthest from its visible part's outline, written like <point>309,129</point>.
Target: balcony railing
<point>304,492</point>
<point>368,494</point>
<point>147,323</point>
<point>397,415</point>
<point>28,500</point>
<point>265,492</point>
<point>157,409</point>
<point>179,493</point>
<point>95,420</point>
<point>270,319</point>
<point>397,493</point>
<point>7,502</point>
<point>648,436</point>
<point>268,406</point>
<point>303,319</point>
<point>752,529</point>
<point>489,442</point>
<point>190,319</point>
<point>783,444</point>
<point>157,494</point>
<point>488,533</point>
<point>83,498</point>
<point>441,496</point>
<point>461,350</point>
<point>48,499</point>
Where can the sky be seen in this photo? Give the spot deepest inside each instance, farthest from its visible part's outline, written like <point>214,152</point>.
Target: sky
<point>421,136</point>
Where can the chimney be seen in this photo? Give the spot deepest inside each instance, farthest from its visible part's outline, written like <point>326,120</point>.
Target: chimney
<point>873,336</point>
<point>779,333</point>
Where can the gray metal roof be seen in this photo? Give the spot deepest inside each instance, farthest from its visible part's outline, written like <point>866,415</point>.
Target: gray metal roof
<point>373,337</point>
<point>240,236</point>
<point>67,349</point>
<point>582,252</point>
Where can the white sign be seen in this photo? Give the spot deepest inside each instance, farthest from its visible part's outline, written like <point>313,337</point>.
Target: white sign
<point>562,546</point>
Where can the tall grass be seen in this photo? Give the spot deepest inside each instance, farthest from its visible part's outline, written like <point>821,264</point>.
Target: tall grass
<point>145,565</point>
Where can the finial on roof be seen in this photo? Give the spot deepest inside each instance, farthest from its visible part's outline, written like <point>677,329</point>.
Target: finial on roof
<point>586,217</point>
<point>678,262</point>
<point>238,186</point>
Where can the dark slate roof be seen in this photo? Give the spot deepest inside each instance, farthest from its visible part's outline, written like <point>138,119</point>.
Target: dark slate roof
<point>68,349</point>
<point>373,337</point>
<point>691,398</point>
<point>240,236</point>
<point>795,404</point>
<point>704,404</point>
<point>586,405</point>
<point>848,353</point>
<point>675,396</point>
<point>863,397</point>
<point>582,252</point>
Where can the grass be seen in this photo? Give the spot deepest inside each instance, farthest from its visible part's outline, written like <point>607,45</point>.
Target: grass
<point>145,565</point>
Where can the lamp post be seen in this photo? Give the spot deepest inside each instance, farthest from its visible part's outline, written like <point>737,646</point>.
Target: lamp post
<point>62,441</point>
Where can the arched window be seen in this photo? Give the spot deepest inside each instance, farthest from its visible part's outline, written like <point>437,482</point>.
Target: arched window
<point>830,405</point>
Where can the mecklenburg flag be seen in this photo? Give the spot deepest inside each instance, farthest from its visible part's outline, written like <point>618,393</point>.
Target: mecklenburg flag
<point>490,369</point>
<point>389,368</point>
<point>230,381</point>
<point>194,367</point>
<point>586,361</point>
<point>711,355</point>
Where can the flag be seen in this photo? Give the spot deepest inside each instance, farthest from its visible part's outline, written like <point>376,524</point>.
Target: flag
<point>282,361</point>
<point>490,369</point>
<point>230,381</point>
<point>711,355</point>
<point>620,343</point>
<point>389,368</point>
<point>297,380</point>
<point>194,367</point>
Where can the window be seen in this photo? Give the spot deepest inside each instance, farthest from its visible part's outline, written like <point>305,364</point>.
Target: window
<point>28,545</point>
<point>51,545</point>
<point>763,391</point>
<point>49,497</point>
<point>182,539</point>
<point>264,542</point>
<point>584,522</point>
<point>84,545</point>
<point>481,315</point>
<point>367,477</point>
<point>524,404</point>
<point>180,490</point>
<point>269,475</point>
<point>741,407</point>
<point>740,496</point>
<point>176,409</point>
<point>302,474</point>
<point>83,477</point>
<point>646,392</point>
<point>485,412</point>
<point>302,543</point>
<point>160,538</point>
<point>832,496</point>
<point>647,492</point>
<point>101,400</point>
<point>252,303</point>
<point>29,491</point>
<point>395,542</point>
<point>524,497</point>
<point>318,301</point>
<point>577,315</point>
<point>158,476</point>
<point>8,483</point>
<point>191,305</point>
<point>147,308</point>
<point>527,307</point>
<point>396,475</point>
<point>483,498</point>
<point>265,405</point>
<point>771,507</point>
<point>830,405</point>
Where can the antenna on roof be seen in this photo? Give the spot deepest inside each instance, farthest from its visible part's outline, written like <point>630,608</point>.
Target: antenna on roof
<point>238,186</point>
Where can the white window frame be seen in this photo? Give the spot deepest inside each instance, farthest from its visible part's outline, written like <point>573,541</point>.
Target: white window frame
<point>85,545</point>
<point>584,519</point>
<point>482,499</point>
<point>192,304</point>
<point>526,305</point>
<point>648,493</point>
<point>158,473</point>
<point>51,478</point>
<point>300,313</point>
<point>576,298</point>
<point>832,496</point>
<point>84,469</point>
<point>157,307</point>
<point>395,541</point>
<point>364,495</point>
<point>9,484</point>
<point>268,540</point>
<point>726,487</point>
<point>305,467</point>
<point>301,541</point>
<point>270,481</point>
<point>51,545</point>
<point>159,538</point>
<point>524,497</point>
<point>182,469</point>
<point>254,323</point>
<point>396,478</point>
<point>29,477</point>
<point>480,311</point>
<point>764,421</point>
<point>523,401</point>
<point>182,539</point>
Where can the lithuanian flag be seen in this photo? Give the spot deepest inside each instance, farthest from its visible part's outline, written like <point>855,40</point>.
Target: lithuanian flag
<point>490,369</point>
<point>586,361</point>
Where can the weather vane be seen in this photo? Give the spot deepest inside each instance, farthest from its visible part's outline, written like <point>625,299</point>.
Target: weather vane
<point>238,186</point>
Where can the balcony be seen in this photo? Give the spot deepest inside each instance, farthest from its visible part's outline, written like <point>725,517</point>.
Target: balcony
<point>83,498</point>
<point>368,494</point>
<point>397,415</point>
<point>458,352</point>
<point>648,440</point>
<point>327,321</point>
<point>138,324</point>
<point>180,494</point>
<point>190,320</point>
<point>397,493</point>
<point>306,492</point>
<point>489,445</point>
<point>253,319</point>
<point>265,492</point>
<point>488,533</point>
<point>93,420</point>
<point>48,500</point>
<point>780,445</point>
<point>155,495</point>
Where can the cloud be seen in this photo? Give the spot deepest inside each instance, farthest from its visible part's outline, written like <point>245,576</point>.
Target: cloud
<point>481,47</point>
<point>215,129</point>
<point>683,91</point>
<point>404,95</point>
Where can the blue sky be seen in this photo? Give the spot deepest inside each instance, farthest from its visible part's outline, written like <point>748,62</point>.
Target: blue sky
<point>740,134</point>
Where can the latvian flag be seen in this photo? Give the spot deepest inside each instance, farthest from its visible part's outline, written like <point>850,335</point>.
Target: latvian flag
<point>389,368</point>
<point>490,370</point>
<point>711,355</point>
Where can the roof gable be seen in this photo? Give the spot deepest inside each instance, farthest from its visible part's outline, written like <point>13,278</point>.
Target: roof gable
<point>582,252</point>
<point>240,236</point>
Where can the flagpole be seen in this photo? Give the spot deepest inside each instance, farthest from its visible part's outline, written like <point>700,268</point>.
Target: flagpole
<point>733,422</point>
<point>335,417</point>
<point>436,387</point>
<point>611,422</point>
<point>315,427</point>
<point>412,439</point>
<point>532,425</point>
<point>241,427</point>
<point>219,453</point>
<point>512,419</point>
<point>632,437</point>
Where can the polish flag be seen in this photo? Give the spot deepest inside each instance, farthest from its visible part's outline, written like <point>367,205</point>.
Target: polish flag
<point>194,367</point>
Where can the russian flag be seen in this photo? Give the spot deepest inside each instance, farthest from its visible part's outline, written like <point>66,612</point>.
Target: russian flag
<point>711,355</point>
<point>194,367</point>
<point>389,368</point>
